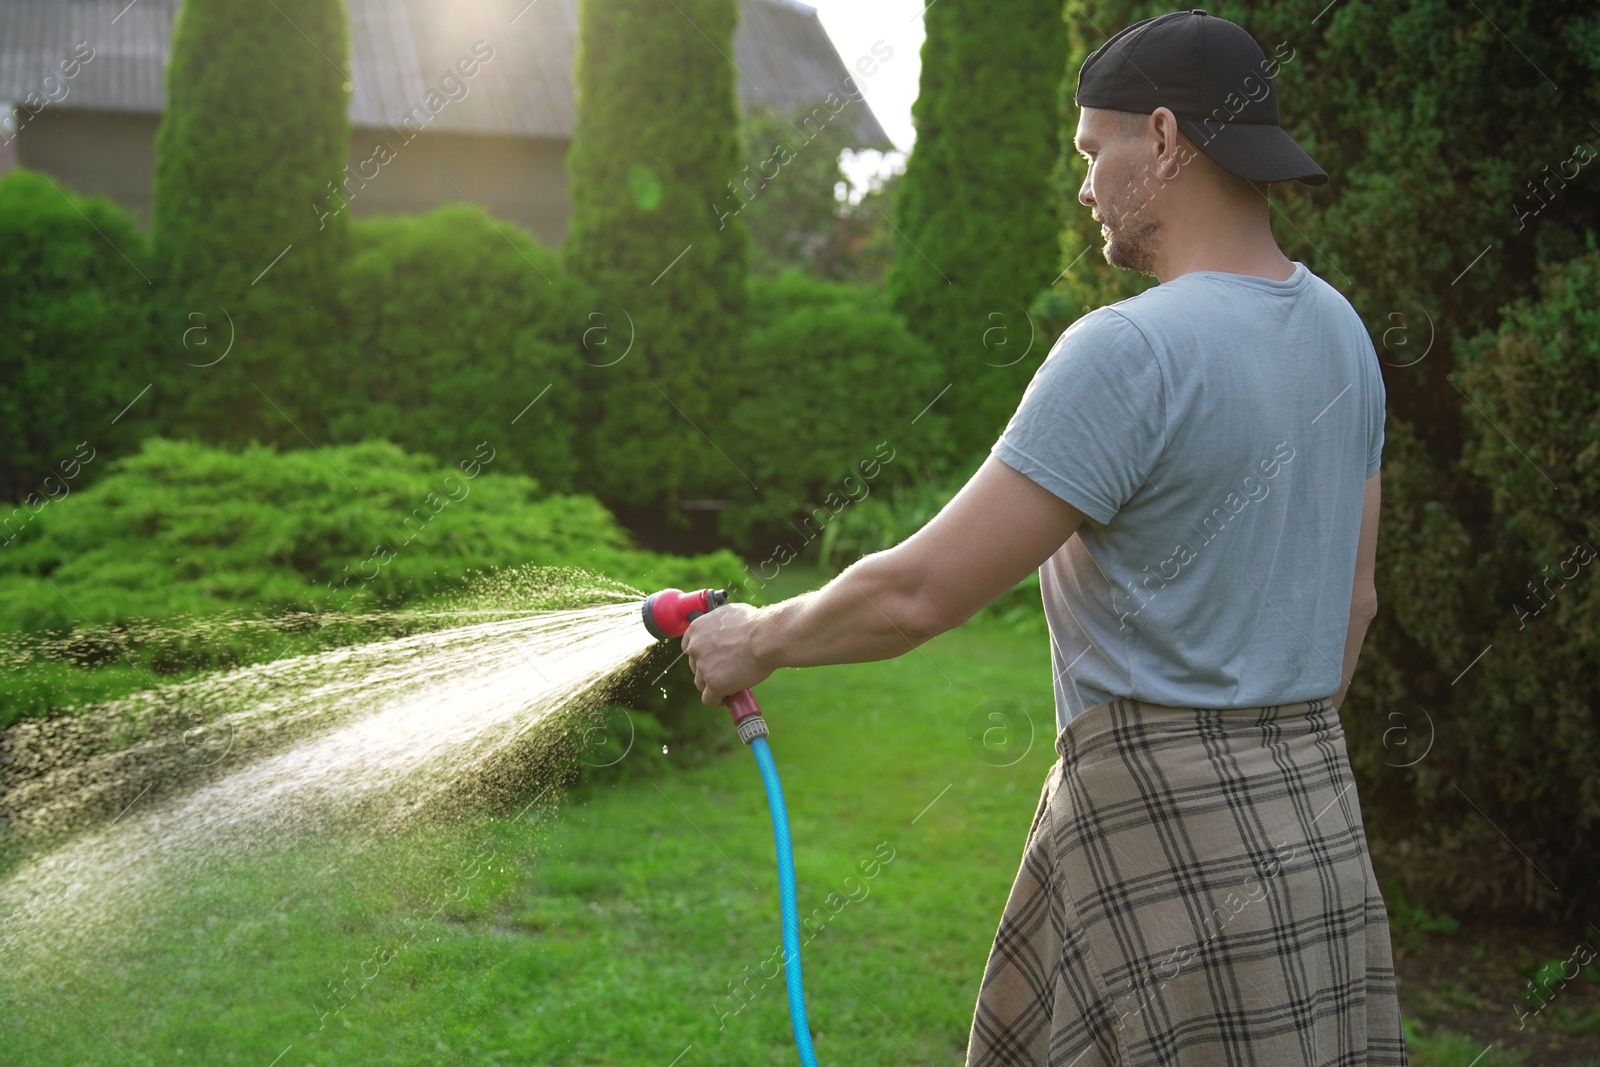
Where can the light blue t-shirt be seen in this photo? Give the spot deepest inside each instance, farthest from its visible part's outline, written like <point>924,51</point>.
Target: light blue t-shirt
<point>1217,431</point>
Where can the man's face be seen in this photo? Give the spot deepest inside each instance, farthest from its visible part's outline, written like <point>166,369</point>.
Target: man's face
<point>1115,190</point>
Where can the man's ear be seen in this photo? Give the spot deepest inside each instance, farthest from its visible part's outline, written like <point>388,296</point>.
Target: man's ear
<point>1171,150</point>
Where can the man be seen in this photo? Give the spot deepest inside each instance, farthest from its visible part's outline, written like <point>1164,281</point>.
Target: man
<point>1194,473</point>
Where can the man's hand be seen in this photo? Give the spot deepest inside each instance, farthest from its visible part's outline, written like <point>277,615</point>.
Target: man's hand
<point>721,648</point>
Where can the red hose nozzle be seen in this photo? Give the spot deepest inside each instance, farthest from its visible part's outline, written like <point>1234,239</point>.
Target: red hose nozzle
<point>667,614</point>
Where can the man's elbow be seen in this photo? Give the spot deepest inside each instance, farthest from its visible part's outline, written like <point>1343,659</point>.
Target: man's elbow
<point>921,617</point>
<point>1364,604</point>
<point>903,595</point>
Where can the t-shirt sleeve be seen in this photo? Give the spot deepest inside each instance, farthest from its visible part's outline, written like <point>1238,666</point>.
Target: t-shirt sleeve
<point>1092,422</point>
<point>1377,403</point>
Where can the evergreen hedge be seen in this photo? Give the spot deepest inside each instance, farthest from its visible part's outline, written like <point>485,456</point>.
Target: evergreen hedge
<point>462,330</point>
<point>247,226</point>
<point>831,388</point>
<point>1523,736</point>
<point>654,151</point>
<point>74,305</point>
<point>976,211</point>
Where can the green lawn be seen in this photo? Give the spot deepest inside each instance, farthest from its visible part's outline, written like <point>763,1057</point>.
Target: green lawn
<point>614,928</point>
<point>614,932</point>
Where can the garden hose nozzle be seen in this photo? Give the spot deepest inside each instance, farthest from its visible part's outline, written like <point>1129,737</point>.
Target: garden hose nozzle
<point>668,613</point>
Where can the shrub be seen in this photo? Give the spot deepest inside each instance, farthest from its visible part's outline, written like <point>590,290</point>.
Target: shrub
<point>1515,740</point>
<point>829,387</point>
<point>456,324</point>
<point>976,211</point>
<point>655,144</point>
<point>774,297</point>
<point>74,301</point>
<point>248,223</point>
<point>1529,733</point>
<point>182,528</point>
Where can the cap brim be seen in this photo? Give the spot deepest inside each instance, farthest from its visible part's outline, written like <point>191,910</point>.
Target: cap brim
<point>1254,151</point>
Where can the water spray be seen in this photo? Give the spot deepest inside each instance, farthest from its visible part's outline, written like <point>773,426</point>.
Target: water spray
<point>667,614</point>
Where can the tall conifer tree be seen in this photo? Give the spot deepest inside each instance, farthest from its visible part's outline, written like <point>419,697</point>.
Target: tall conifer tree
<point>654,150</point>
<point>977,210</point>
<point>248,225</point>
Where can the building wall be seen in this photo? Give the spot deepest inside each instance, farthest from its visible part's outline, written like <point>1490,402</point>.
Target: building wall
<point>521,179</point>
<point>516,178</point>
<point>98,153</point>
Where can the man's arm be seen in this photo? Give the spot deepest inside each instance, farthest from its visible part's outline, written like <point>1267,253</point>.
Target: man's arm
<point>1364,595</point>
<point>998,529</point>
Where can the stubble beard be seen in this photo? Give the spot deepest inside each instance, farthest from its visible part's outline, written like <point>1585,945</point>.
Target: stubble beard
<point>1131,234</point>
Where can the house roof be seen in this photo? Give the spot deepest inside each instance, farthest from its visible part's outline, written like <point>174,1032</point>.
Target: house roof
<point>400,49</point>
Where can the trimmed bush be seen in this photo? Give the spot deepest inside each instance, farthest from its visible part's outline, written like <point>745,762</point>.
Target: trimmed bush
<point>775,297</point>
<point>182,528</point>
<point>1486,647</point>
<point>248,225</point>
<point>74,303</point>
<point>977,210</point>
<point>456,325</point>
<point>829,387</point>
<point>1528,733</point>
<point>654,148</point>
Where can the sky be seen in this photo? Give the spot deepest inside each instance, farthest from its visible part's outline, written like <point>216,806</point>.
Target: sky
<point>855,26</point>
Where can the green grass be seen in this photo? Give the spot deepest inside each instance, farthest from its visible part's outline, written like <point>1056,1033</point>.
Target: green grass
<point>1446,1048</point>
<point>611,934</point>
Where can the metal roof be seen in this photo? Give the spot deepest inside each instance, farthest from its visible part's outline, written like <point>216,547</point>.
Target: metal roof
<point>401,48</point>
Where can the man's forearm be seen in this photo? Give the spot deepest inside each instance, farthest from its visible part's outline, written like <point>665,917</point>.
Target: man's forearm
<point>1360,619</point>
<point>999,528</point>
<point>872,610</point>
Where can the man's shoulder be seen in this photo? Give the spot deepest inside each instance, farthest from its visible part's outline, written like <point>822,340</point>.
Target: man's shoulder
<point>1203,296</point>
<point>1179,300</point>
<point>1108,324</point>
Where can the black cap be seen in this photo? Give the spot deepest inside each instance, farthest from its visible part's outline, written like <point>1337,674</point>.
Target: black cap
<point>1215,78</point>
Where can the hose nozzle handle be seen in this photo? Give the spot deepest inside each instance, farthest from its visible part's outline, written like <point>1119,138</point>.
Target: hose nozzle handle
<point>668,613</point>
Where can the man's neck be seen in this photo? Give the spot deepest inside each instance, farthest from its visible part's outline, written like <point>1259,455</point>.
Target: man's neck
<point>1274,266</point>
<point>1235,240</point>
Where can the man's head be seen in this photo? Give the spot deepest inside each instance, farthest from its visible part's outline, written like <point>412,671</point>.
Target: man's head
<point>1179,124</point>
<point>1143,171</point>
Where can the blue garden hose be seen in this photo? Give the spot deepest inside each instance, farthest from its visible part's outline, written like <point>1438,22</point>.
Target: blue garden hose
<point>667,614</point>
<point>786,899</point>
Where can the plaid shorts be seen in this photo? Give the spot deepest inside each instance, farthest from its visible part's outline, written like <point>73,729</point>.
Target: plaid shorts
<point>1195,890</point>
